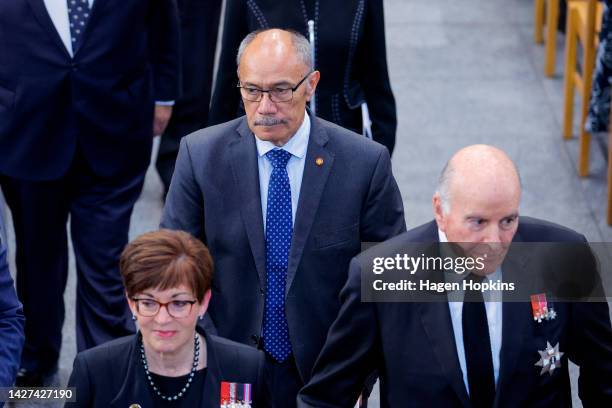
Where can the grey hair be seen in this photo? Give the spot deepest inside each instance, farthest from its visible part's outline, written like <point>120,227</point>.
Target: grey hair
<point>300,44</point>
<point>443,188</point>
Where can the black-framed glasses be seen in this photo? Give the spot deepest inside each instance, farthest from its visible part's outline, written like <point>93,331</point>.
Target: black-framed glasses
<point>275,94</point>
<point>176,308</point>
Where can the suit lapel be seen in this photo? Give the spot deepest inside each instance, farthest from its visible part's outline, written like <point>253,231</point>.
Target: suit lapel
<point>135,388</point>
<point>246,178</point>
<point>42,15</point>
<point>517,322</point>
<point>435,318</point>
<point>313,183</point>
<point>214,376</point>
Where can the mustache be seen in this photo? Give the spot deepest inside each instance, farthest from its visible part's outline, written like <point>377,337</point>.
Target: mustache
<point>270,122</point>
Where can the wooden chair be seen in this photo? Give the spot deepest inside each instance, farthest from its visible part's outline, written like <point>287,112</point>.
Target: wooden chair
<point>546,13</point>
<point>583,23</point>
<point>552,24</point>
<point>538,21</point>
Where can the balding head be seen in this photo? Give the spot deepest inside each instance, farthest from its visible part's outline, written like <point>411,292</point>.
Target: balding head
<point>275,37</point>
<point>474,168</point>
<point>478,200</point>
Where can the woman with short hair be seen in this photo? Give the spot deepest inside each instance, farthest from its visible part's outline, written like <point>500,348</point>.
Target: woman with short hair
<point>170,362</point>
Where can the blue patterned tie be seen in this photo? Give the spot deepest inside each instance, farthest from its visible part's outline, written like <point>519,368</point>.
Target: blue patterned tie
<point>279,227</point>
<point>78,14</point>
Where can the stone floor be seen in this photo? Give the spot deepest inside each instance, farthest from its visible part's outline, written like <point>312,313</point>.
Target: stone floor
<point>463,72</point>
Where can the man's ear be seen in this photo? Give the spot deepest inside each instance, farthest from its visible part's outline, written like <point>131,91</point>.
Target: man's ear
<point>311,84</point>
<point>439,212</point>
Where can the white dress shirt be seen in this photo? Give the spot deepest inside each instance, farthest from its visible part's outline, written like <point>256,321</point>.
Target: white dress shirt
<point>494,320</point>
<point>297,146</point>
<point>58,11</point>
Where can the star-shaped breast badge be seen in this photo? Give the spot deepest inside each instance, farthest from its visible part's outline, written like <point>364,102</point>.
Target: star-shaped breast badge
<point>550,359</point>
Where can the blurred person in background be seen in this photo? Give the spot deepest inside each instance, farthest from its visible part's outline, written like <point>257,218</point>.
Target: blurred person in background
<point>199,26</point>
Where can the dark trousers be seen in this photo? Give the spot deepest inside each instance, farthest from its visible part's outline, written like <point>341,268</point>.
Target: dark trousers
<point>99,210</point>
<point>199,25</point>
<point>283,382</point>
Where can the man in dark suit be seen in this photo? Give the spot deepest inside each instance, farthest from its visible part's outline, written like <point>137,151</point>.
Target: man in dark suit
<point>283,200</point>
<point>79,83</point>
<point>199,26</point>
<point>466,353</point>
<point>11,318</point>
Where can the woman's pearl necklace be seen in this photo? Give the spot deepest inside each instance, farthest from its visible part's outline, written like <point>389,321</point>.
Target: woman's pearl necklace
<point>196,360</point>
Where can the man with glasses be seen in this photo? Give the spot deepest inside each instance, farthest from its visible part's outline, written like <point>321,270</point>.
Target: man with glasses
<point>283,200</point>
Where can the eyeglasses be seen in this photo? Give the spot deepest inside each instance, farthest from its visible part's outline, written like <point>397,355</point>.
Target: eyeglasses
<point>175,308</point>
<point>275,94</point>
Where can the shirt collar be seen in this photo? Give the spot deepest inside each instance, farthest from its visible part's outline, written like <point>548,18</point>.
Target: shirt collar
<point>297,144</point>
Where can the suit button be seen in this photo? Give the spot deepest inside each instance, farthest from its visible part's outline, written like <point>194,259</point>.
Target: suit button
<point>255,339</point>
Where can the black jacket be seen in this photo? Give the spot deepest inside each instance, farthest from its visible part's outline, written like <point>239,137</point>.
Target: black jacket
<point>111,375</point>
<point>413,347</point>
<point>351,55</point>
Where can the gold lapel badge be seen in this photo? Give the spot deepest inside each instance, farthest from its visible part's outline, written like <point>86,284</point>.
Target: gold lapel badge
<point>319,161</point>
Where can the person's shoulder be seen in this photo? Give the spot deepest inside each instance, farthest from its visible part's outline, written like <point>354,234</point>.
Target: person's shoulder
<point>107,354</point>
<point>235,357</point>
<point>226,345</point>
<point>421,236</point>
<point>347,140</point>
<point>538,230</point>
<point>215,134</point>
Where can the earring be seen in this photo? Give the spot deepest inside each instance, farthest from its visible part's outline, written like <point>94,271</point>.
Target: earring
<point>201,317</point>
<point>133,317</point>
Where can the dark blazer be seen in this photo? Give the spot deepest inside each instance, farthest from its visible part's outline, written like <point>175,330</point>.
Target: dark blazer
<point>413,347</point>
<point>199,26</point>
<point>351,55</point>
<point>11,319</point>
<point>111,375</point>
<point>350,198</point>
<point>101,99</point>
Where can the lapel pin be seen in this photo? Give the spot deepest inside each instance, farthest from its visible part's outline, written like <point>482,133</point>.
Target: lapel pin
<point>135,406</point>
<point>550,358</point>
<point>319,161</point>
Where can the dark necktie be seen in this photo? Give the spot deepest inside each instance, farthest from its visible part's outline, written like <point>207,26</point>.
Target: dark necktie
<point>279,227</point>
<point>78,14</point>
<point>477,346</point>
